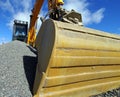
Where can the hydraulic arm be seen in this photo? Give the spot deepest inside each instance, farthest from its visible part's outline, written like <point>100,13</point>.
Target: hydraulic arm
<point>52,5</point>
<point>34,16</point>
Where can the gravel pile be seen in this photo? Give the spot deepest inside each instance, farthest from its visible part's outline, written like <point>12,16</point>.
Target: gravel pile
<point>17,69</point>
<point>112,93</point>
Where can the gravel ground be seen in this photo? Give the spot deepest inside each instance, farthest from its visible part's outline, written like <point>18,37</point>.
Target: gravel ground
<point>17,69</point>
<point>112,93</point>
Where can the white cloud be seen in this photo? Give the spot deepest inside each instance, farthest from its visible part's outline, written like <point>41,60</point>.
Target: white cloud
<point>27,5</point>
<point>81,6</point>
<point>18,9</point>
<point>98,15</point>
<point>3,40</point>
<point>24,16</point>
<point>21,10</point>
<point>7,6</point>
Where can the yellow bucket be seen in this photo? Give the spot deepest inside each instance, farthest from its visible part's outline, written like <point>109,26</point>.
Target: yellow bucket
<point>75,61</point>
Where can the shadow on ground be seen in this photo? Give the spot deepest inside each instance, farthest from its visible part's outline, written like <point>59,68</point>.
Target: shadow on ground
<point>30,68</point>
<point>30,63</point>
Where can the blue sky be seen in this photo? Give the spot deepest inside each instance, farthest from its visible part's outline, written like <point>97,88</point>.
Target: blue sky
<point>98,14</point>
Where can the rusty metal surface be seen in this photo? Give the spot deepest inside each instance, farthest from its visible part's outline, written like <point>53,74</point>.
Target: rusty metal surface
<point>75,61</point>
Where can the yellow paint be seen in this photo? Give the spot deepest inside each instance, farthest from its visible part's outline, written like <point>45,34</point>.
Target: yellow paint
<point>75,61</point>
<point>60,2</point>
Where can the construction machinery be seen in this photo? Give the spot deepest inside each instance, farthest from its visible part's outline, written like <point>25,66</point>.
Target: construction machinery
<point>55,12</point>
<point>73,61</point>
<point>20,30</point>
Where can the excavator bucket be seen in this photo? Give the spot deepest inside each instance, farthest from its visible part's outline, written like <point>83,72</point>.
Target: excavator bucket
<point>75,61</point>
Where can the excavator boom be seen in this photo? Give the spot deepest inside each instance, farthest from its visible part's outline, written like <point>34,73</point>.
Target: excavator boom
<point>34,16</point>
<point>52,4</point>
